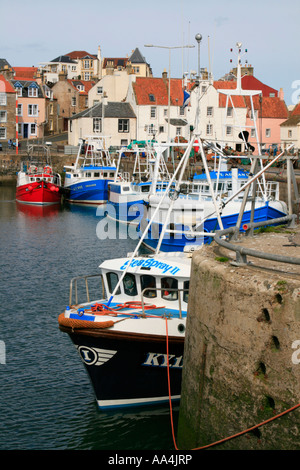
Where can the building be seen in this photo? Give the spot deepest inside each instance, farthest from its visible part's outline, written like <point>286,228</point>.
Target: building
<point>7,110</point>
<point>72,98</point>
<point>31,108</point>
<point>290,130</point>
<point>135,64</point>
<point>114,120</point>
<point>157,117</point>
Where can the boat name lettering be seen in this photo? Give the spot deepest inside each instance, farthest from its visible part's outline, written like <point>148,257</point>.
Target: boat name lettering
<point>152,263</point>
<point>162,360</point>
<point>90,185</point>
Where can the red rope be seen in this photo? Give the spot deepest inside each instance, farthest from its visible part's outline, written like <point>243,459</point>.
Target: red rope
<point>226,438</point>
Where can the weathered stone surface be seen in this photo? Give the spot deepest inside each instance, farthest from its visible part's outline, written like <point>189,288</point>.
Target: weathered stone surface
<point>242,362</point>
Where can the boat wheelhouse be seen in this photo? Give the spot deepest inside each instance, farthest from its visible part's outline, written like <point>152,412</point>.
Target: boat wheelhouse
<point>133,338</point>
<point>37,183</point>
<point>87,181</point>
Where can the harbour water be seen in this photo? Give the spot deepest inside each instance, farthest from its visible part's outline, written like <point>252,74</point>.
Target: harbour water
<point>47,402</point>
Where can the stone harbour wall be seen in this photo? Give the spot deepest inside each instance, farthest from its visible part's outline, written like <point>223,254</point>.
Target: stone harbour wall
<point>240,363</point>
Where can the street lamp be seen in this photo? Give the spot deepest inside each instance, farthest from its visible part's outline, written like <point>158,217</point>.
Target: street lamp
<point>198,38</point>
<point>169,91</point>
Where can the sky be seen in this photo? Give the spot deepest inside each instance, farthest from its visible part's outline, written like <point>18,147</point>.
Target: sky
<point>37,31</point>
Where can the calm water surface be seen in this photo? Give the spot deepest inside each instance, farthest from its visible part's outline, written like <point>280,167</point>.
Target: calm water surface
<point>47,402</point>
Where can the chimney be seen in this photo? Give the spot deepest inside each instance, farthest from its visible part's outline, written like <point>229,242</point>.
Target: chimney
<point>165,74</point>
<point>281,94</point>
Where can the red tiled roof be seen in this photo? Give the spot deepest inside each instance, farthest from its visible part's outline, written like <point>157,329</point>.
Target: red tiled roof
<point>238,101</point>
<point>158,87</point>
<point>87,85</point>
<point>79,54</point>
<point>249,82</point>
<point>296,110</point>
<point>271,107</point>
<point>25,73</point>
<point>5,86</point>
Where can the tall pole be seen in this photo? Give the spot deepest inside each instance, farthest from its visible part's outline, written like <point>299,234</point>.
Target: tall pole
<point>169,91</point>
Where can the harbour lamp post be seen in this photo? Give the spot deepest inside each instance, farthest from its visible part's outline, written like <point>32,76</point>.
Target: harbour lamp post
<point>198,38</point>
<point>169,91</point>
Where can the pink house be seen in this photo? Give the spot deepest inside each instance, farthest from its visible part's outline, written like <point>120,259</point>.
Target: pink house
<point>31,107</point>
<point>270,113</point>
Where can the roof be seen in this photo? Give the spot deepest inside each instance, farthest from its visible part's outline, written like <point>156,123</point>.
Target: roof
<point>27,84</point>
<point>291,121</point>
<point>296,110</point>
<point>154,91</point>
<point>23,73</point>
<point>113,109</point>
<point>249,82</point>
<point>137,58</point>
<point>271,107</point>
<point>238,101</point>
<point>80,55</point>
<point>5,86</point>
<point>117,62</point>
<point>64,58</point>
<point>4,63</point>
<point>88,84</point>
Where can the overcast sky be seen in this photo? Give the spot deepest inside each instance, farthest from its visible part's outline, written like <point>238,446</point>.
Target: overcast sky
<point>37,31</point>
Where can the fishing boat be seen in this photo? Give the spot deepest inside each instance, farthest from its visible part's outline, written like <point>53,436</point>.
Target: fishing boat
<point>126,197</point>
<point>87,181</point>
<point>37,183</point>
<point>214,200</point>
<point>131,341</point>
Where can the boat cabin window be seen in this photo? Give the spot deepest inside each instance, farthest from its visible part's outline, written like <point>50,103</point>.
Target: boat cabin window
<point>126,188</point>
<point>105,174</point>
<point>168,284</point>
<point>112,281</point>
<point>111,174</point>
<point>145,189</point>
<point>186,286</point>
<point>129,284</point>
<point>146,282</point>
<point>96,174</point>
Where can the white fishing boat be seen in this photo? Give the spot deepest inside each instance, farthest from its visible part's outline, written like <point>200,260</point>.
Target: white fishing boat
<point>87,181</point>
<point>126,196</point>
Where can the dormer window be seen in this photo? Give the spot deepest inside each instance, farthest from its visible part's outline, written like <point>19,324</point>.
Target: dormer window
<point>151,97</point>
<point>33,90</point>
<point>19,88</point>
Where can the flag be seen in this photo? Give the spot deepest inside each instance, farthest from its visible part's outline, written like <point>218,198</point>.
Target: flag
<point>186,98</point>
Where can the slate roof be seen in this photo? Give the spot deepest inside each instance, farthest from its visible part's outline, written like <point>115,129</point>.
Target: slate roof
<point>113,109</point>
<point>137,58</point>
<point>25,85</point>
<point>64,59</point>
<point>291,121</point>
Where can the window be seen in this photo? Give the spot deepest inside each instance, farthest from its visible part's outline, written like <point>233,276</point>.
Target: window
<point>229,112</point>
<point>290,133</point>
<point>210,111</point>
<point>112,281</point>
<point>153,112</point>
<point>151,97</point>
<point>32,92</point>
<point>97,124</point>
<point>123,125</point>
<point>268,132</point>
<point>86,76</point>
<point>146,282</point>
<point>86,64</point>
<point>3,99</point>
<point>19,91</point>
<point>181,110</point>
<point>129,284</point>
<point>255,115</point>
<point>203,88</point>
<point>252,132</point>
<point>186,286</point>
<point>165,112</point>
<point>228,130</point>
<point>178,130</point>
<point>33,128</point>
<point>99,90</point>
<point>3,116</point>
<point>167,284</point>
<point>73,100</point>
<point>209,129</point>
<point>51,108</point>
<point>33,110</point>
<point>2,133</point>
